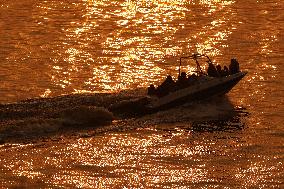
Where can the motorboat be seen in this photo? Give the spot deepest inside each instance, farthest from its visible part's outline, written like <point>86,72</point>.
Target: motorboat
<point>214,82</point>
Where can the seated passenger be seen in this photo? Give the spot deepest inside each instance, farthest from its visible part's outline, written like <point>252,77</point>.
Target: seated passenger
<point>225,71</point>
<point>212,70</point>
<point>234,66</point>
<point>167,86</point>
<point>219,70</point>
<point>191,79</point>
<point>151,90</point>
<point>182,81</point>
<point>169,82</point>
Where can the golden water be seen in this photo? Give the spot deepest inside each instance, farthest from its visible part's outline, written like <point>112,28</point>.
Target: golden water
<point>49,48</point>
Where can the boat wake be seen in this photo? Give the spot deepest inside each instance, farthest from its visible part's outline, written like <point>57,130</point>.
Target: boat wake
<point>73,119</point>
<point>88,115</point>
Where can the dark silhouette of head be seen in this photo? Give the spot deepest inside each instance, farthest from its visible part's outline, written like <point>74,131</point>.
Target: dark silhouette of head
<point>183,75</point>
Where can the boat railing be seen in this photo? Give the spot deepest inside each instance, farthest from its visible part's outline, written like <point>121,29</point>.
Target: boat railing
<point>195,57</point>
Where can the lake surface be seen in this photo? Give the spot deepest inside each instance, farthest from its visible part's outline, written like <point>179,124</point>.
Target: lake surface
<point>63,54</point>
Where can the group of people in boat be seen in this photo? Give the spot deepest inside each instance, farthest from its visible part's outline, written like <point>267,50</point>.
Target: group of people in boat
<point>169,85</point>
<point>219,72</point>
<point>183,81</point>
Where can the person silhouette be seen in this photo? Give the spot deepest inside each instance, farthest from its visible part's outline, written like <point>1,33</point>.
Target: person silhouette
<point>219,69</point>
<point>191,79</point>
<point>182,81</point>
<point>212,70</point>
<point>151,90</point>
<point>167,86</point>
<point>225,71</point>
<point>234,67</point>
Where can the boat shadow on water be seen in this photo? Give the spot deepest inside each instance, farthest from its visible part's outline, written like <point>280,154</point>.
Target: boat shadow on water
<point>229,125</point>
<point>211,115</point>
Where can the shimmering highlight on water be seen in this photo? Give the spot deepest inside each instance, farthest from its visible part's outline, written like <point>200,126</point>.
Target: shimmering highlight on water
<point>50,48</point>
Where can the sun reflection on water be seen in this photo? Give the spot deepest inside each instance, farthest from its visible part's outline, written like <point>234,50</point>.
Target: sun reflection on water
<point>127,44</point>
<point>147,167</point>
<point>177,159</point>
<point>101,45</point>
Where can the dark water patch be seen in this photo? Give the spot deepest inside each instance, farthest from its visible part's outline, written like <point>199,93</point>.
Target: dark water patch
<point>71,120</point>
<point>190,184</point>
<point>16,182</point>
<point>217,115</point>
<point>214,109</point>
<point>52,107</point>
<point>97,171</point>
<point>86,115</point>
<point>40,117</point>
<point>229,125</point>
<point>218,112</point>
<point>279,134</point>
